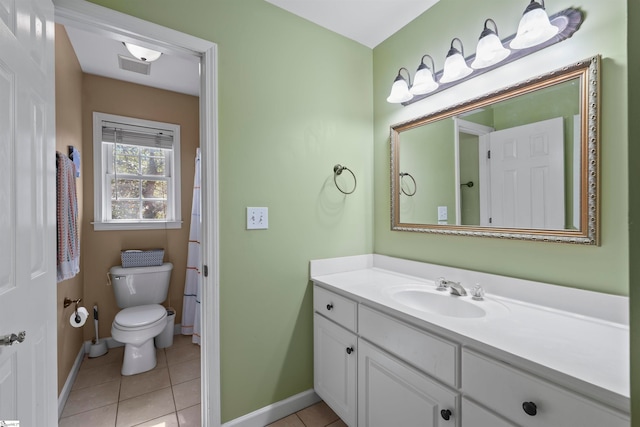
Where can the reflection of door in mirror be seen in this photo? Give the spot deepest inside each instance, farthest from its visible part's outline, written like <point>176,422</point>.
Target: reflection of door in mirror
<point>527,176</point>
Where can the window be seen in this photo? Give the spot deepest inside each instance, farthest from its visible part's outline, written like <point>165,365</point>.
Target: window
<point>136,173</point>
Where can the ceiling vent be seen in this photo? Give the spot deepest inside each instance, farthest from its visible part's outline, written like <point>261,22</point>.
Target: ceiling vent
<point>131,64</point>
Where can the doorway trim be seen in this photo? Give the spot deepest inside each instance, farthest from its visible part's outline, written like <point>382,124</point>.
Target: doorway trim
<point>97,19</point>
<point>471,128</point>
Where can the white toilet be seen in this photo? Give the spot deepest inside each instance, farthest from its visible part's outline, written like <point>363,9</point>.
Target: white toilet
<point>139,292</point>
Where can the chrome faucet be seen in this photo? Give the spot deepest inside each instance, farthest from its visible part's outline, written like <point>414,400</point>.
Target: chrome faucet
<point>455,288</point>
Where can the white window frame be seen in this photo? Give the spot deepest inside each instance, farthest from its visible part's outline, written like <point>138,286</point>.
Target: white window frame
<point>102,186</point>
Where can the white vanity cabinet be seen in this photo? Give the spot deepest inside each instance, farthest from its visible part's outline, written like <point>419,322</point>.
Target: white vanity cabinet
<point>524,399</point>
<point>335,360</point>
<point>377,368</point>
<point>355,374</point>
<point>552,357</point>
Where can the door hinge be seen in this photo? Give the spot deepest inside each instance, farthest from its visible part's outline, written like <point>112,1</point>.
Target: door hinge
<point>490,220</point>
<point>488,154</point>
<point>205,270</point>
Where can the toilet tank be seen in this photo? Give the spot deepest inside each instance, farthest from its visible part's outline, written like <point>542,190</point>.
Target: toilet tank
<point>140,285</point>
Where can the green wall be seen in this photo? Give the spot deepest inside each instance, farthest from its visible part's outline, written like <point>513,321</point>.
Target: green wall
<point>294,100</point>
<point>634,202</point>
<point>428,153</point>
<point>603,268</point>
<point>469,172</point>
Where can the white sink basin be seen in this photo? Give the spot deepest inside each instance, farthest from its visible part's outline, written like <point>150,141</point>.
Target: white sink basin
<point>428,300</point>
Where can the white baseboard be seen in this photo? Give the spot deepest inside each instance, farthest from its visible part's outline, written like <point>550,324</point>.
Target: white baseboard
<point>64,394</point>
<point>275,411</point>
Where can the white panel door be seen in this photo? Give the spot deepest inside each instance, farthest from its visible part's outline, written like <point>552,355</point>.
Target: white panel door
<point>390,393</point>
<point>527,176</point>
<point>28,371</point>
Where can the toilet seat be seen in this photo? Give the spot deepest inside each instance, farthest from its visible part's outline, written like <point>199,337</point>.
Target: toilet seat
<point>140,317</point>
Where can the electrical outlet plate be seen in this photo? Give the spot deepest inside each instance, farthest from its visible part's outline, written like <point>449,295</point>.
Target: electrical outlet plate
<point>257,218</point>
<point>442,213</point>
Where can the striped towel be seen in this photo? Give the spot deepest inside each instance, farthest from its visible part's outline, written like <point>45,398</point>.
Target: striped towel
<point>67,216</point>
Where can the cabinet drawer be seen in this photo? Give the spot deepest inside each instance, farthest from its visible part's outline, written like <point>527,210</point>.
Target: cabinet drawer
<point>476,416</point>
<point>504,389</point>
<point>429,353</point>
<point>341,310</point>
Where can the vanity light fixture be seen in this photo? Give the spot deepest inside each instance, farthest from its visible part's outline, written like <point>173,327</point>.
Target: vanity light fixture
<point>400,89</point>
<point>142,53</point>
<point>535,32</point>
<point>455,66</point>
<point>490,50</point>
<point>424,81</point>
<point>534,27</point>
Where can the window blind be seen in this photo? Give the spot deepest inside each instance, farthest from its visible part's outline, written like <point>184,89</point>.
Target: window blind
<point>136,135</point>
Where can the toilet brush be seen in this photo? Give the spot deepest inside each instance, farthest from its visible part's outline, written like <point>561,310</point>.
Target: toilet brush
<point>98,348</point>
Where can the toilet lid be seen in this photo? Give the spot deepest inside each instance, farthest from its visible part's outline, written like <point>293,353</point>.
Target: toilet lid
<point>134,317</point>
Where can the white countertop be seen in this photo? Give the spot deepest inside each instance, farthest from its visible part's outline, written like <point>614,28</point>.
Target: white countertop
<point>587,354</point>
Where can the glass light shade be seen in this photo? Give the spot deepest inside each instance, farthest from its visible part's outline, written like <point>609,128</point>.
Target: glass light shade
<point>399,91</point>
<point>423,82</point>
<point>455,67</point>
<point>142,53</point>
<point>534,28</point>
<point>490,51</point>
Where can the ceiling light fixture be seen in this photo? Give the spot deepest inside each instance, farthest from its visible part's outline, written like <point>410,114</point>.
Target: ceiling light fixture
<point>142,53</point>
<point>490,50</point>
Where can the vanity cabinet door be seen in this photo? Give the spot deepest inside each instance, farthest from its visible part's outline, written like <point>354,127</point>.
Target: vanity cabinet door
<point>391,393</point>
<point>335,368</point>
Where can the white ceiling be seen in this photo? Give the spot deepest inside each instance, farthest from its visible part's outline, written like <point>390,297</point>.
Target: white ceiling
<point>98,55</point>
<point>368,22</point>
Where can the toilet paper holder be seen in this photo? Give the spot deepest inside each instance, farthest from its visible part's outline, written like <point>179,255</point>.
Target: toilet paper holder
<point>68,302</point>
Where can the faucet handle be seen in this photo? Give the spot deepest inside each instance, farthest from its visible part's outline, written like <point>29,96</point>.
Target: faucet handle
<point>442,284</point>
<point>477,292</point>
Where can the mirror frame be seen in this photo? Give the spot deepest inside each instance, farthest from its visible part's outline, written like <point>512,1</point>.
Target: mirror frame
<point>588,71</point>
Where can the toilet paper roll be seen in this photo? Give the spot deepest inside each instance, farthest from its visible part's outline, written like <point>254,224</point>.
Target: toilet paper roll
<point>79,319</point>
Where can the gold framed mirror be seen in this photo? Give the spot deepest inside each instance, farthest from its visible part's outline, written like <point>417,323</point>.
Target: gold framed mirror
<point>518,163</point>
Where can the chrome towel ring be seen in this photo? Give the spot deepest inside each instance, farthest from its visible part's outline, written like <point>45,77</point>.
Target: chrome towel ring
<point>337,170</point>
<point>415,186</point>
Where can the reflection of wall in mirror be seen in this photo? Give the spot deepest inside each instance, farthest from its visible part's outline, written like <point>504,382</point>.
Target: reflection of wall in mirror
<point>469,172</point>
<point>428,155</point>
<point>561,100</point>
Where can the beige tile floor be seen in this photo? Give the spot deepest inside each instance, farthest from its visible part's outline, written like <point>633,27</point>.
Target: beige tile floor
<point>318,415</point>
<point>167,396</point>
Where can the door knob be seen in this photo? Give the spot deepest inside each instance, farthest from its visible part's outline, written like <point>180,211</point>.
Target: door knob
<point>12,338</point>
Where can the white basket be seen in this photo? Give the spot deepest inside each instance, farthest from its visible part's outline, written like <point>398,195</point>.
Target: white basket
<point>146,258</point>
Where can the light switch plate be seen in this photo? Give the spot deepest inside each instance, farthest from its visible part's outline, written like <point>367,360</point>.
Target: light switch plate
<point>257,218</point>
